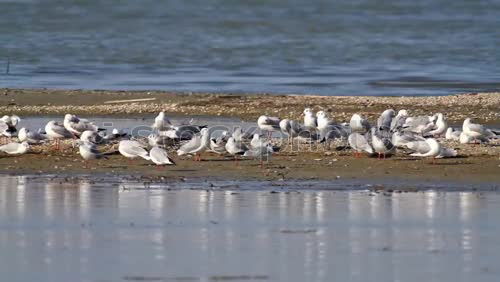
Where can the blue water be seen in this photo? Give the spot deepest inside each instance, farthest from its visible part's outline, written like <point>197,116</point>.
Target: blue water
<point>367,47</point>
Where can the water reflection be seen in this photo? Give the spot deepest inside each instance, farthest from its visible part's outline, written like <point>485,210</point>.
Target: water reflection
<point>83,231</point>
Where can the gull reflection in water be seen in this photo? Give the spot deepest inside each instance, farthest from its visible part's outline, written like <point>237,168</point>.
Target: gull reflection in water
<point>85,229</point>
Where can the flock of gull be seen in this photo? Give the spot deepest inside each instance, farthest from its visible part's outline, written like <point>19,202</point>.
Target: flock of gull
<point>416,135</point>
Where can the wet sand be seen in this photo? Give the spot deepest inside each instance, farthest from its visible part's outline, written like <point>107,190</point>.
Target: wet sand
<point>476,163</point>
<point>320,165</point>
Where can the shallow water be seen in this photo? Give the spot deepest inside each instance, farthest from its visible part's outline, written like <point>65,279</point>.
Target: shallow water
<point>86,230</point>
<point>401,47</point>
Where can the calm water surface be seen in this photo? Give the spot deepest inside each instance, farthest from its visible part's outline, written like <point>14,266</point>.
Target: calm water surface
<point>396,47</point>
<point>98,231</point>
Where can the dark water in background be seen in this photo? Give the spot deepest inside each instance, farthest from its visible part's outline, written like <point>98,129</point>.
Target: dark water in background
<point>97,231</point>
<point>368,47</point>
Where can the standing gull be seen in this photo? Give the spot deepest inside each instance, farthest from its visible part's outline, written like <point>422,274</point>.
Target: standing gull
<point>235,148</point>
<point>56,131</point>
<point>268,124</point>
<point>381,145</point>
<point>197,145</point>
<point>161,122</point>
<point>310,121</point>
<point>359,143</point>
<point>399,120</point>
<point>440,126</point>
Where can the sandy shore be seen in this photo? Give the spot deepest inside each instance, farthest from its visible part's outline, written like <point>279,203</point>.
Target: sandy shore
<point>482,107</point>
<point>477,163</point>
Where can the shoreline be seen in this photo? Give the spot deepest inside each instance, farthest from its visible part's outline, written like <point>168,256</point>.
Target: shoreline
<point>479,165</point>
<point>476,164</point>
<point>481,107</point>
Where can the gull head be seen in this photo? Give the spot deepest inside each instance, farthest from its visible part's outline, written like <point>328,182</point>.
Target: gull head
<point>321,115</point>
<point>308,112</point>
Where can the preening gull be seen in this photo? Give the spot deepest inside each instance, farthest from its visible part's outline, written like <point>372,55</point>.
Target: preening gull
<point>310,121</point>
<point>430,148</point>
<point>91,137</point>
<point>132,149</point>
<point>77,126</point>
<point>476,131</point>
<point>359,124</point>
<point>268,124</point>
<point>399,120</point>
<point>452,134</point>
<point>8,125</point>
<point>218,145</point>
<point>235,148</point>
<point>385,120</point>
<point>161,122</point>
<point>400,138</point>
<point>440,126</point>
<point>381,145</point>
<point>160,157</point>
<point>89,151</point>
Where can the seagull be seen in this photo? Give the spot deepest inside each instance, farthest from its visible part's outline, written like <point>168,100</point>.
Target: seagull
<point>399,120</point>
<point>476,131</point>
<point>310,121</point>
<point>359,124</point>
<point>15,148</point>
<point>196,145</point>
<point>159,140</point>
<point>132,149</point>
<point>428,148</point>
<point>381,145</point>
<point>385,120</point>
<point>77,126</point>
<point>218,145</point>
<point>239,134</point>
<point>323,121</point>
<point>115,135</point>
<point>257,141</point>
<point>420,125</point>
<point>466,139</point>
<point>269,124</point>
<point>440,126</point>
<point>400,138</point>
<point>30,137</point>
<point>332,132</point>
<point>8,125</point>
<point>161,122</point>
<point>56,131</point>
<point>91,137</point>
<point>160,157</point>
<point>89,151</point>
<point>261,152</point>
<point>359,143</point>
<point>453,134</point>
<point>286,128</point>
<point>181,132</point>
<point>235,148</point>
